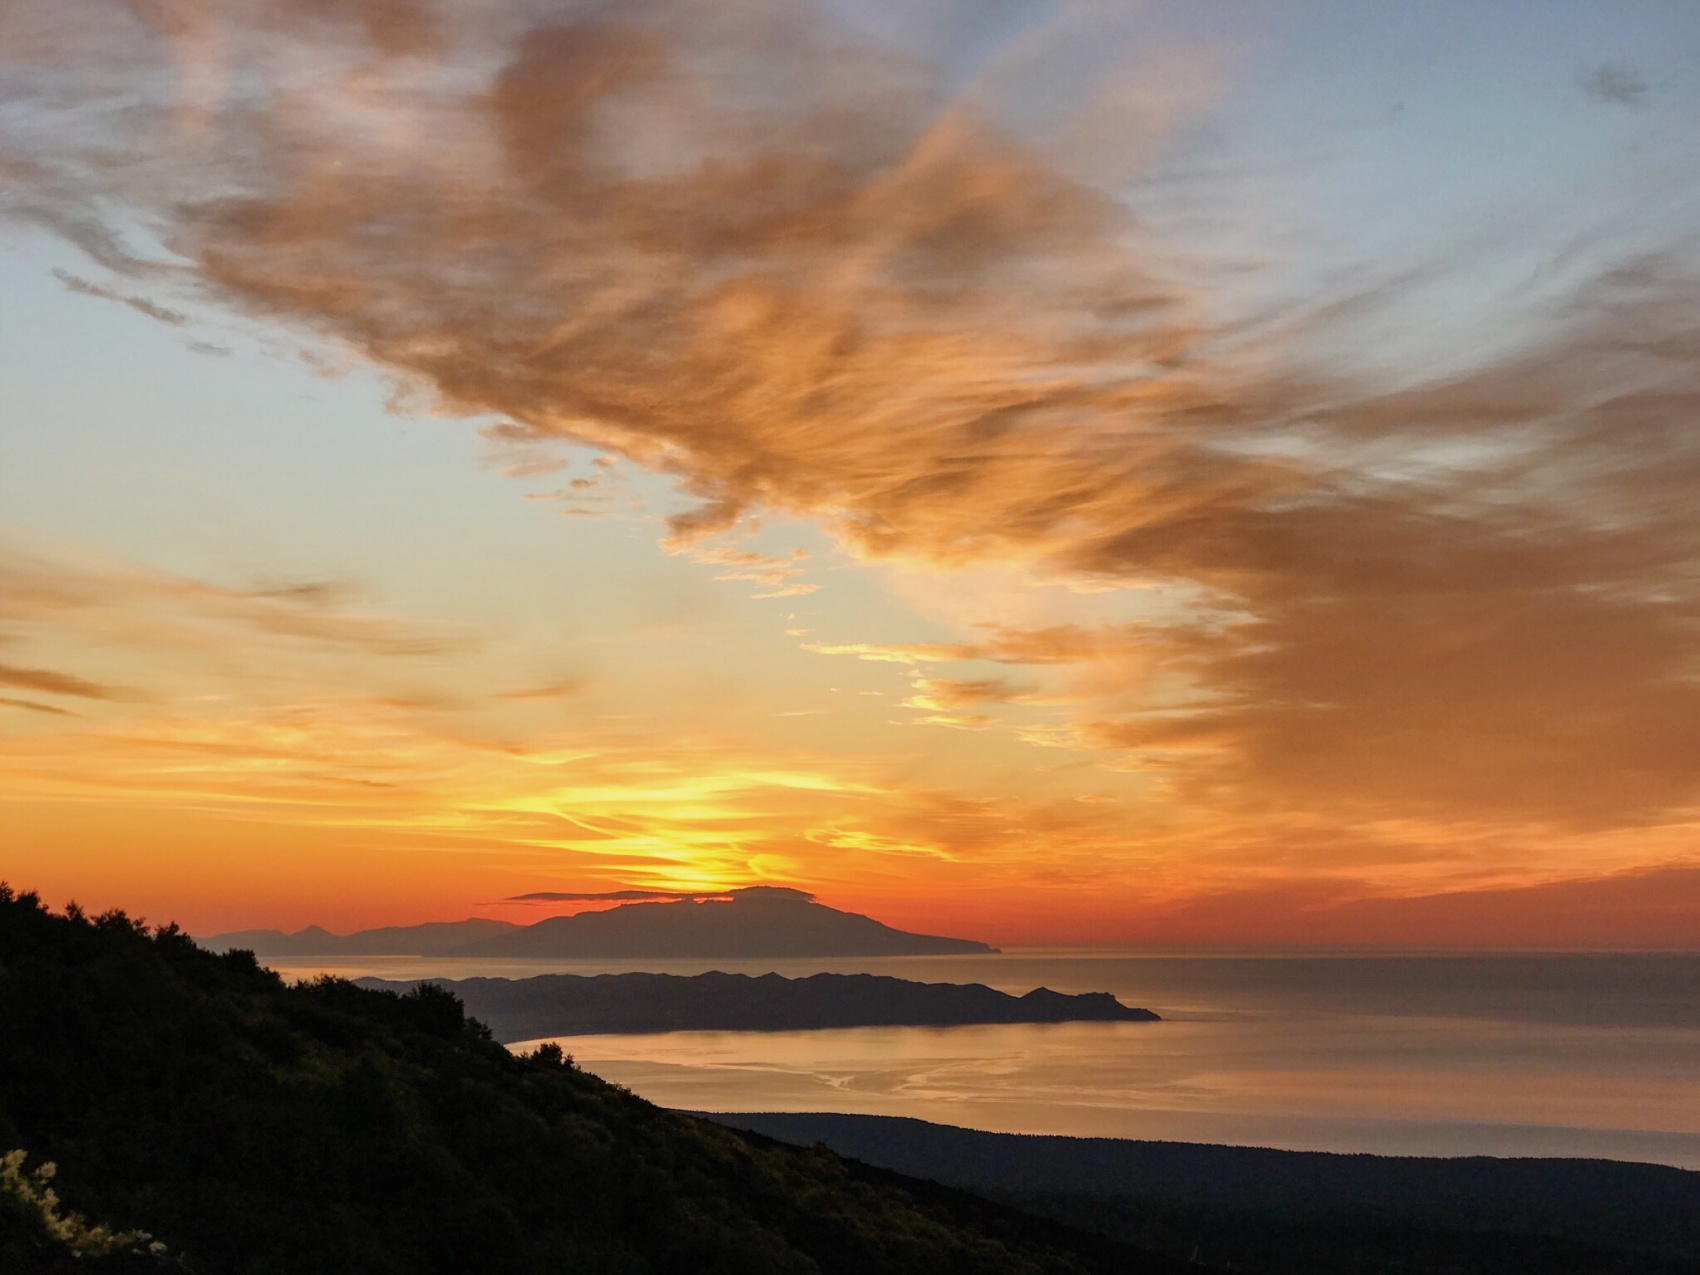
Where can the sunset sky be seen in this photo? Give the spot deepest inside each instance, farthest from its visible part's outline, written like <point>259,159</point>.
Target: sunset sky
<point>1054,473</point>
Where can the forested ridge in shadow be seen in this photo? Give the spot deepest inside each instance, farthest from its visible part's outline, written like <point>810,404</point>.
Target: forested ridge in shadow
<point>259,1128</point>
<point>1300,1212</point>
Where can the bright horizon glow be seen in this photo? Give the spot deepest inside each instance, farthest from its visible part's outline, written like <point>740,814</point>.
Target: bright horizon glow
<point>1061,475</point>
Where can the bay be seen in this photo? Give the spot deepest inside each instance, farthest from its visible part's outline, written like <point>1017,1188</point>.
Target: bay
<point>1594,1055</point>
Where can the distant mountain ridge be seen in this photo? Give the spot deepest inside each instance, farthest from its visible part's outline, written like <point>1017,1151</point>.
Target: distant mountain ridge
<point>433,938</point>
<point>575,1005</point>
<point>755,922</point>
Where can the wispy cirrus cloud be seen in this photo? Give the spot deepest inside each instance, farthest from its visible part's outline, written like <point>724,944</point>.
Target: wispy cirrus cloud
<point>897,652</point>
<point>141,305</point>
<point>50,682</point>
<point>611,896</point>
<point>949,694</point>
<point>100,597</point>
<point>564,689</point>
<point>800,272</point>
<point>33,706</point>
<point>1615,84</point>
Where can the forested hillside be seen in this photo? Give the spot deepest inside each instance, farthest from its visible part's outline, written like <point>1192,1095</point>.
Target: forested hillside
<point>253,1127</point>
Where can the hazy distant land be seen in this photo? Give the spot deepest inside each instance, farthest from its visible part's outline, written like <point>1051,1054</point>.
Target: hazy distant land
<point>758,921</point>
<point>574,1005</point>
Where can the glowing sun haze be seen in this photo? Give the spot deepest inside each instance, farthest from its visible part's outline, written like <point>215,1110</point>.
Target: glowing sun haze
<point>1050,472</point>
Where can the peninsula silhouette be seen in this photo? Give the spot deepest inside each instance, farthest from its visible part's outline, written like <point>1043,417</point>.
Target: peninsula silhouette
<point>574,1005</point>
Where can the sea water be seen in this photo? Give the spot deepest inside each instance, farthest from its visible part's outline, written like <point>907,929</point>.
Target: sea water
<point>1423,1054</point>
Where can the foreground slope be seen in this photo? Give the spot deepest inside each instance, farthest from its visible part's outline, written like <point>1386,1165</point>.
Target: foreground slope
<point>255,1127</point>
<point>578,1005</point>
<point>1306,1212</point>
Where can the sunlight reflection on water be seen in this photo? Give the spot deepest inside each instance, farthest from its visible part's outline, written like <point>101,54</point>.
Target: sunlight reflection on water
<point>1500,1055</point>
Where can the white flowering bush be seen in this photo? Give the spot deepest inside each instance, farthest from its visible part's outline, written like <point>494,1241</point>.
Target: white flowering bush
<point>40,1202</point>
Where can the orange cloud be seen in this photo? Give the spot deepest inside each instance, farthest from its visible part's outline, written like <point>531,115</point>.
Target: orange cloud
<point>552,690</point>
<point>786,267</point>
<point>33,707</point>
<point>947,694</point>
<point>912,653</point>
<point>51,683</point>
<point>103,598</point>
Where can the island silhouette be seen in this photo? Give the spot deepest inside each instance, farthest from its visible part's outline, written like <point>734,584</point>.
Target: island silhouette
<point>759,921</point>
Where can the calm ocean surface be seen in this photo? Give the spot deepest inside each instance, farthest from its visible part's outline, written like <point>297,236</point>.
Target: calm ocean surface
<point>1580,1055</point>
